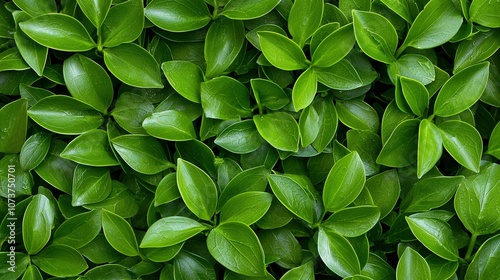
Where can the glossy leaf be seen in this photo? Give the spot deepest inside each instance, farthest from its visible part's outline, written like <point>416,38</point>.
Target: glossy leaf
<point>482,12</point>
<point>416,95</point>
<point>463,142</point>
<point>358,114</point>
<point>119,234</point>
<point>400,148</point>
<point>344,182</point>
<point>269,94</point>
<point>309,125</point>
<point>281,246</point>
<point>484,265</point>
<point>413,66</point>
<point>95,10</point>
<point>303,272</point>
<point>412,265</point>
<point>252,179</point>
<point>368,145</point>
<point>272,126</point>
<point>37,223</point>
<point>90,148</point>
<point>59,32</point>
<point>34,150</point>
<point>170,231</point>
<point>11,59</point>
<point>430,147</point>
<point>123,24</point>
<point>170,125</point>
<point>430,193</point>
<point>477,49</point>
<point>343,39</point>
<point>79,230</point>
<point>225,98</point>
<point>240,138</point>
<point>304,90</point>
<point>352,221</point>
<point>337,253</point>
<point>13,128</point>
<point>90,185</point>
<point>185,77</point>
<point>245,10</point>
<point>33,53</point>
<point>304,18</point>
<point>494,144</point>
<point>130,110</point>
<point>247,207</point>
<point>178,15</point>
<point>60,261</point>
<point>282,52</point>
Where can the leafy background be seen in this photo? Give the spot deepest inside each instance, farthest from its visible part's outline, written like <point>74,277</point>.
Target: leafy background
<point>251,139</point>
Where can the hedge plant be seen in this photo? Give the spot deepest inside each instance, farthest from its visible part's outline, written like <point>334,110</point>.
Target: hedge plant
<point>250,139</point>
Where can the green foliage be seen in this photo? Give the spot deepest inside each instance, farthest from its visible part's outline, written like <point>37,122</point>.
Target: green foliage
<point>250,139</point>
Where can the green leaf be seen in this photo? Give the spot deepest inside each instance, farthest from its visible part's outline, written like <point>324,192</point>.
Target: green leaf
<point>107,272</point>
<point>120,201</point>
<point>436,235</point>
<point>436,24</point>
<point>494,143</point>
<point>247,207</point>
<point>358,114</point>
<point>170,125</point>
<point>282,52</point>
<point>328,123</point>
<point>33,273</point>
<point>304,90</point>
<point>225,98</point>
<point>385,197</point>
<point>163,254</point>
<point>240,137</point>
<point>377,268</point>
<point>33,53</point>
<point>402,8</point>
<point>476,201</point>
<point>95,10</point>
<point>119,234</point>
<point>368,146</point>
<point>60,261</point>
<point>303,272</point>
<point>281,246</point>
<point>79,230</point>
<point>36,8</point>
<point>192,266</point>
<point>37,223</point>
<point>430,147</point>
<point>55,170</point>
<point>133,65</point>
<point>130,111</point>
<point>463,142</point>
<point>224,40</point>
<point>123,24</point>
<point>199,154</point>
<point>33,94</point>
<point>480,47</point>
<point>90,185</point>
<point>416,95</point>
<point>462,90</point>
<point>273,125</point>
<point>352,221</point>
<point>34,150</point>
<point>309,125</point>
<point>401,147</point>
<point>59,32</point>
<point>14,125</point>
<point>90,148</point>
<point>143,153</point>
<point>252,179</point>
<point>413,66</point>
<point>375,35</point>
<point>197,190</point>
<point>167,190</point>
<point>269,94</point>
<point>170,231</point>
<point>11,59</point>
<point>441,268</point>
<point>304,18</point>
<point>178,15</point>
<point>485,263</point>
<point>344,182</point>
<point>337,253</point>
<point>343,39</point>
<point>245,10</point>
<point>88,82</point>
<point>412,265</point>
<point>65,115</point>
<point>236,247</point>
<point>430,193</point>
<point>297,194</point>
<point>483,12</point>
<point>185,77</point>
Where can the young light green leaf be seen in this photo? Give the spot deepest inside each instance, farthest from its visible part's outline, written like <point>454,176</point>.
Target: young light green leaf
<point>88,82</point>
<point>402,8</point>
<point>95,10</point>
<point>303,272</point>
<point>119,234</point>
<point>343,39</point>
<point>430,147</point>
<point>337,253</point>
<point>252,179</point>
<point>485,263</point>
<point>79,230</point>
<point>436,24</point>
<point>271,126</point>
<point>178,15</point>
<point>59,32</point>
<point>436,235</point>
<point>463,142</point>
<point>197,190</point>
<point>282,52</point>
<point>245,9</point>
<point>65,115</point>
<point>494,143</point>
<point>247,207</point>
<point>225,98</point>
<point>416,95</point>
<point>401,147</point>
<point>412,265</point>
<point>170,231</point>
<point>90,185</point>
<point>133,65</point>
<point>170,125</point>
<point>344,182</point>
<point>328,123</point>
<point>414,66</point>
<point>375,35</point>
<point>352,221</point>
<point>235,246</point>
<point>185,77</point>
<point>241,138</point>
<point>14,127</point>
<point>310,125</point>
<point>142,153</point>
<point>90,148</point>
<point>123,24</point>
<point>304,18</point>
<point>483,12</point>
<point>304,90</point>
<point>167,190</point>
<point>358,114</point>
<point>60,261</point>
<point>224,40</point>
<point>37,221</point>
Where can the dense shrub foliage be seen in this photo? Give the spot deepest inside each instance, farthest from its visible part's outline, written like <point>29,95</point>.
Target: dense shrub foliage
<point>250,139</point>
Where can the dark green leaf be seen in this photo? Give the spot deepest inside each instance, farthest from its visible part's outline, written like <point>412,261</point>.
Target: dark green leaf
<point>368,146</point>
<point>225,98</point>
<point>119,234</point>
<point>58,31</point>
<point>185,77</point>
<point>485,263</point>
<point>37,223</point>
<point>13,127</point>
<point>241,137</point>
<point>123,24</point>
<point>167,190</point>
<point>95,10</point>
<point>328,123</point>
<point>441,268</point>
<point>170,231</point>
<point>377,268</point>
<point>309,125</point>
<point>133,65</point>
<point>11,59</point>
<point>358,114</point>
<point>34,150</point>
<point>337,253</point>
<point>463,142</point>
<point>281,246</point>
<point>36,8</point>
<point>430,147</point>
<point>91,148</point>
<point>494,144</point>
<point>90,185</point>
<point>245,9</point>
<point>282,52</point>
<point>400,149</point>
<point>33,53</point>
<point>192,266</point>
<point>352,221</point>
<point>430,193</point>
<point>478,48</point>
<point>107,272</point>
<point>416,95</point>
<point>130,111</point>
<point>32,273</point>
<point>170,125</point>
<point>60,261</point>
<point>384,189</point>
<point>79,230</point>
<point>272,126</point>
<point>178,15</point>
<point>252,179</point>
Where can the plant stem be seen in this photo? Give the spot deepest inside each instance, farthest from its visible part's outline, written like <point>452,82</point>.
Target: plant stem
<point>99,39</point>
<point>471,246</point>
